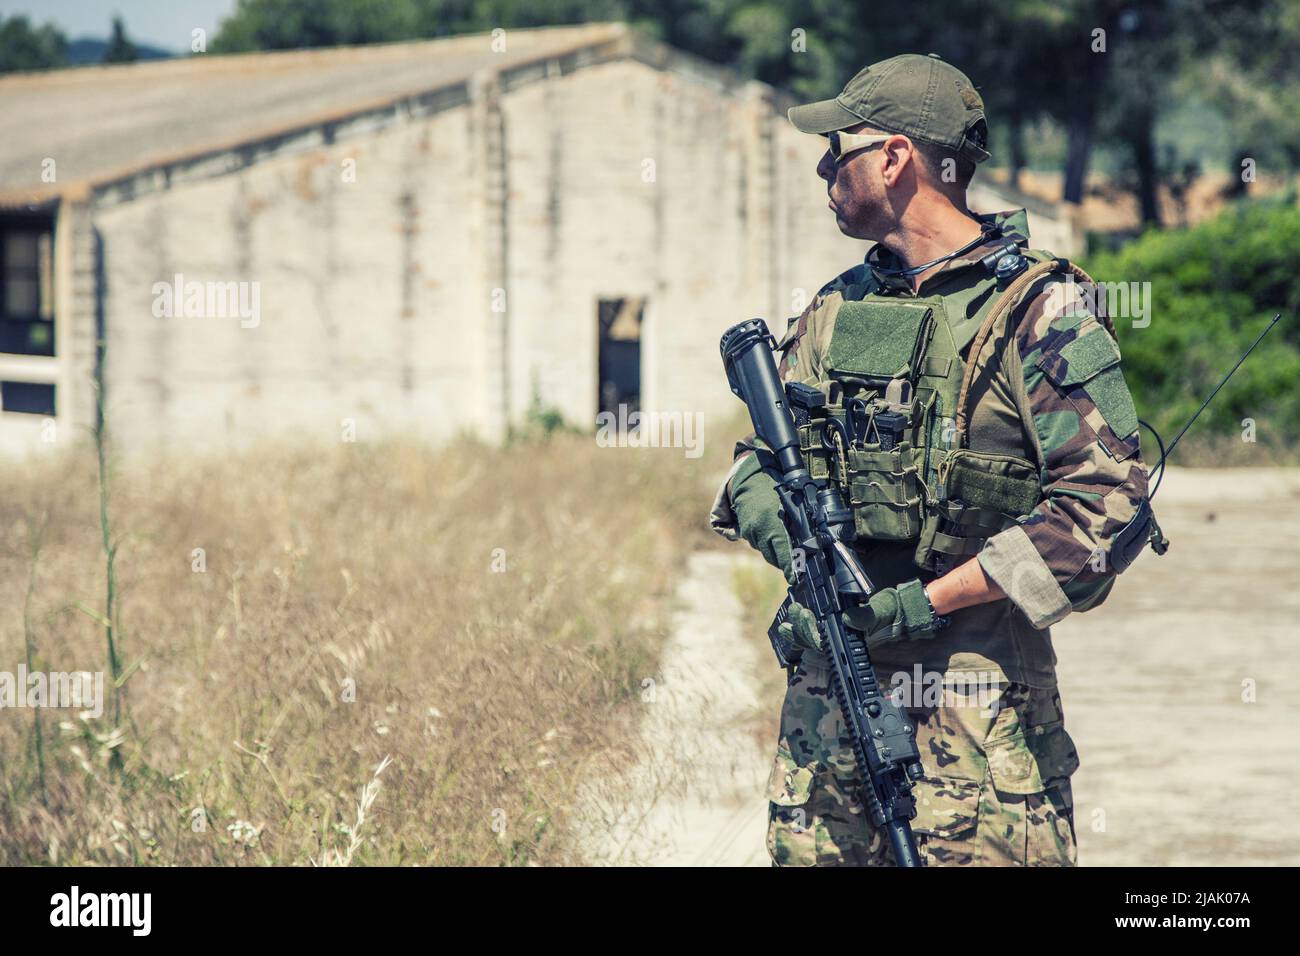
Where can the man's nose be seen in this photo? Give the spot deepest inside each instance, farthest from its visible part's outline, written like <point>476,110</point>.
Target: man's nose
<point>826,167</point>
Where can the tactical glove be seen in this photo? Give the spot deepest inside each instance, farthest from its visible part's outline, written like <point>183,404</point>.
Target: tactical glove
<point>894,614</point>
<point>800,627</point>
<point>758,513</point>
<point>900,613</point>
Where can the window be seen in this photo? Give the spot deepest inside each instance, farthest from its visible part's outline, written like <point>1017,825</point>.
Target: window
<point>27,398</point>
<point>26,286</point>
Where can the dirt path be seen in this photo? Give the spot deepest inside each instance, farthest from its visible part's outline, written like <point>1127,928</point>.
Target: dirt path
<point>694,796</point>
<point>1180,766</point>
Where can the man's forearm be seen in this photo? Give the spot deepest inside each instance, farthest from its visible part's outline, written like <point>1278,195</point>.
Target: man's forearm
<point>963,586</point>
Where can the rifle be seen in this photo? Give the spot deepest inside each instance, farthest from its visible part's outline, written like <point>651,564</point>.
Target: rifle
<point>828,580</point>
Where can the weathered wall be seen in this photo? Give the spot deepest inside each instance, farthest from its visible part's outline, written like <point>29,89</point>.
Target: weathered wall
<point>377,295</point>
<point>363,300</point>
<point>627,181</point>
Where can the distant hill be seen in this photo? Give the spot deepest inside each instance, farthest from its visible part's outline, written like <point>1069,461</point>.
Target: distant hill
<point>91,50</point>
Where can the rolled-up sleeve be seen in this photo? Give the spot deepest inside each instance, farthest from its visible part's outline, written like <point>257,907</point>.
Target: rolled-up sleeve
<point>1056,559</point>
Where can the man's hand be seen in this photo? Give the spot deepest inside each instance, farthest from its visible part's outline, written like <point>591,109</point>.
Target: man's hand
<point>894,614</point>
<point>758,514</point>
<point>901,613</point>
<point>801,628</point>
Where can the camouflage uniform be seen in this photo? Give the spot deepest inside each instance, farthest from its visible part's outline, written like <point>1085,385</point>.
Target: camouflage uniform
<point>997,788</point>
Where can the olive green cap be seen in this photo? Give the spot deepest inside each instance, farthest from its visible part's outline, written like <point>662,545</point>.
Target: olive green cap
<point>921,97</point>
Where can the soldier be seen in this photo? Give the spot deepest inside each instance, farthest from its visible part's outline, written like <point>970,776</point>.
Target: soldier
<point>992,458</point>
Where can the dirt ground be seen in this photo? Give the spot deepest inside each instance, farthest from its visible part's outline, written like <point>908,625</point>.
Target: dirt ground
<point>1182,693</point>
<point>693,794</point>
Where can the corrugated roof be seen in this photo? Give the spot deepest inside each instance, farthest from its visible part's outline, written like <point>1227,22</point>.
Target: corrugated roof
<point>101,123</point>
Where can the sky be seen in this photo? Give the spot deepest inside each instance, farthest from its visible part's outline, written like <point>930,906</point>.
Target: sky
<point>160,23</point>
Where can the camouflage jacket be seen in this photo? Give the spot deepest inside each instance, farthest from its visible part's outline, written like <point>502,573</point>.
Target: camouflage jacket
<point>1054,560</point>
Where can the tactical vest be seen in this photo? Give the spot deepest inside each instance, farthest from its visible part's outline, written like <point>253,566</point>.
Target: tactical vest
<point>896,424</point>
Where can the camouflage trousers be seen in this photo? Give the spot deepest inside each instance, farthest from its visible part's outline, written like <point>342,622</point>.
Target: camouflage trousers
<point>996,790</point>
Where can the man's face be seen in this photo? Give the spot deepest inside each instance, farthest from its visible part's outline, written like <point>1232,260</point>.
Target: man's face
<point>856,187</point>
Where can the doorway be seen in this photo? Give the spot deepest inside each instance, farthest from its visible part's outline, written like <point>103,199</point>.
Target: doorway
<point>619,362</point>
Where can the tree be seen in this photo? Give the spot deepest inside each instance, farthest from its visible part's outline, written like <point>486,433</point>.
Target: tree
<point>1241,59</point>
<point>23,48</point>
<point>291,24</point>
<point>120,49</point>
<point>1144,59</point>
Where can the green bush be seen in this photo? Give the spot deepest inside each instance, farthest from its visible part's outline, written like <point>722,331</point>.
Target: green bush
<point>1213,289</point>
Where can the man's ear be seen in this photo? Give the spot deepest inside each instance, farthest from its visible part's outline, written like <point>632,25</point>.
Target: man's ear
<point>898,154</point>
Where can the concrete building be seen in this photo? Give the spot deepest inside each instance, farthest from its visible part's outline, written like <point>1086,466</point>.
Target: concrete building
<point>414,238</point>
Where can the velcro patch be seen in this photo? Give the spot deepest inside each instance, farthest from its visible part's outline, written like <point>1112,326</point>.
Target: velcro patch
<point>1087,369</point>
<point>878,339</point>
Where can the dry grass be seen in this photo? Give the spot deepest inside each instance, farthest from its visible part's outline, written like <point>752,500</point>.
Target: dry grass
<point>349,612</point>
<point>760,589</point>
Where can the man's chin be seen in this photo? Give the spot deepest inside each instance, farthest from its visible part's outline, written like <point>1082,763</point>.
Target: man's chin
<point>847,227</point>
<point>844,225</point>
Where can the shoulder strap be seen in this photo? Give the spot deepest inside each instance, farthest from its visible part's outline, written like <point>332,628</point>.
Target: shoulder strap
<point>1001,307</point>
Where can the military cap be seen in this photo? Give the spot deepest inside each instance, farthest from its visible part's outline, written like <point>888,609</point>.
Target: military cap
<point>921,97</point>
